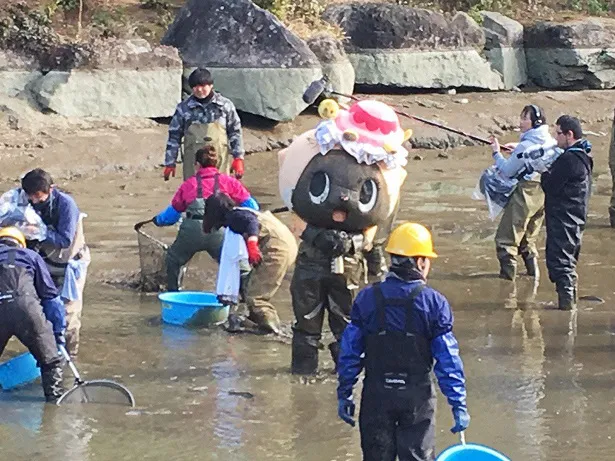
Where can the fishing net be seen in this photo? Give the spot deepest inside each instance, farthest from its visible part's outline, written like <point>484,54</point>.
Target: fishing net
<point>152,254</point>
<point>98,391</point>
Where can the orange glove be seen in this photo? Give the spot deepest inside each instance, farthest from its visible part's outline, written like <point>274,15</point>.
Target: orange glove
<point>237,168</point>
<point>255,256</point>
<point>168,171</point>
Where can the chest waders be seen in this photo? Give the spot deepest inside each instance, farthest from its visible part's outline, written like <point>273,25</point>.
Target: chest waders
<point>21,315</point>
<point>397,417</point>
<point>197,136</point>
<point>190,238</point>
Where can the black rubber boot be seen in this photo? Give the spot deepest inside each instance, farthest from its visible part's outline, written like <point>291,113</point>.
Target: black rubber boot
<point>508,268</point>
<point>51,377</point>
<point>334,349</point>
<point>304,355</point>
<point>566,297</point>
<point>612,217</point>
<point>531,264</point>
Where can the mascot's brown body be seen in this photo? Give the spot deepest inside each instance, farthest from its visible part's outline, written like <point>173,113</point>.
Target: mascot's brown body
<point>343,182</point>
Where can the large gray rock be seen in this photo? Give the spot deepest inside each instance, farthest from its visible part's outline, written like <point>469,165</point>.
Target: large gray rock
<point>256,61</point>
<point>573,55</point>
<point>16,72</point>
<point>116,78</point>
<point>396,45</point>
<point>334,62</point>
<point>504,48</point>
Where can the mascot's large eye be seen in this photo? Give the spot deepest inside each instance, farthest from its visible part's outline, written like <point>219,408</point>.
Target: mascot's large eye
<point>319,187</point>
<point>368,196</point>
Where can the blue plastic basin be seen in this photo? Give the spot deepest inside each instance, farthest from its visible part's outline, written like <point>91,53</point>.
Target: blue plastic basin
<point>192,308</point>
<point>471,452</point>
<point>18,371</point>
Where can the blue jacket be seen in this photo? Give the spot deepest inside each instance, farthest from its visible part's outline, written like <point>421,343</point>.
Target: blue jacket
<point>53,307</point>
<point>432,317</point>
<point>61,215</point>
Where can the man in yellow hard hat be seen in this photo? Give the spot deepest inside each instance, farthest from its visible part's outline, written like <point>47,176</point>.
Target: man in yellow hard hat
<point>404,329</point>
<point>31,308</point>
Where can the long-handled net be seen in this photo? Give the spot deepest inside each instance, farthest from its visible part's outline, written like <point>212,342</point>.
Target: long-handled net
<point>152,254</point>
<point>102,391</point>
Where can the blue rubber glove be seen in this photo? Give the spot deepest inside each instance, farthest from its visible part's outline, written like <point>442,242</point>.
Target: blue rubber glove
<point>462,419</point>
<point>167,217</point>
<point>345,410</point>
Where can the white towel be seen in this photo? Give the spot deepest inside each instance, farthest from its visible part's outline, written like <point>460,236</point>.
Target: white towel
<point>234,250</point>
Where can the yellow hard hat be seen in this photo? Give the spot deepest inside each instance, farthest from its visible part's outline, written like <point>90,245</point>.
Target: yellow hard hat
<point>411,239</point>
<point>13,233</point>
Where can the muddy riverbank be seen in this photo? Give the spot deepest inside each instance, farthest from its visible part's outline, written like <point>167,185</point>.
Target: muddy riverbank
<point>539,380</point>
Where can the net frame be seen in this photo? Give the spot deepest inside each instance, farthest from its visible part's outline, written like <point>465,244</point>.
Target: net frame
<point>79,390</point>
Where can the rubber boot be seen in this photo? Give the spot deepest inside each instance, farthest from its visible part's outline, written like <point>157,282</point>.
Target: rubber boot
<point>508,268</point>
<point>51,377</point>
<point>531,264</point>
<point>612,217</point>
<point>266,319</point>
<point>566,297</point>
<point>334,349</point>
<point>304,355</point>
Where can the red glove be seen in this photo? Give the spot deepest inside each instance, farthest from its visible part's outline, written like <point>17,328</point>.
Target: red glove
<point>255,256</point>
<point>168,171</point>
<point>237,168</point>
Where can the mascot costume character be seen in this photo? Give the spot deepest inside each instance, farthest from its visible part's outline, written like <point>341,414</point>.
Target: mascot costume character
<point>342,181</point>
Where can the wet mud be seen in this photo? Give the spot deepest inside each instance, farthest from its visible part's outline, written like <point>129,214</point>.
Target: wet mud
<point>539,380</point>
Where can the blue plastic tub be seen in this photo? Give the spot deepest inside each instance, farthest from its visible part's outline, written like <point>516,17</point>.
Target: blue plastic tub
<point>192,308</point>
<point>18,371</point>
<point>471,452</point>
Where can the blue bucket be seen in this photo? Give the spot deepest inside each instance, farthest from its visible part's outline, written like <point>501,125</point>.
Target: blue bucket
<point>192,308</point>
<point>18,371</point>
<point>471,452</point>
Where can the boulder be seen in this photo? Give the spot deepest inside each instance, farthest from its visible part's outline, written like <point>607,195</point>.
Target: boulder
<point>400,46</point>
<point>334,62</point>
<point>256,61</point>
<point>572,55</point>
<point>16,72</point>
<point>504,48</point>
<point>115,78</point>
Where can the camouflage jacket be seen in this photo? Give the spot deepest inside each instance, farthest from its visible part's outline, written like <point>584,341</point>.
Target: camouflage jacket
<point>190,110</point>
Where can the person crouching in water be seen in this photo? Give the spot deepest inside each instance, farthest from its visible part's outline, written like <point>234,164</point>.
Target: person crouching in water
<point>524,212</point>
<point>400,330</point>
<point>272,249</point>
<point>190,198</point>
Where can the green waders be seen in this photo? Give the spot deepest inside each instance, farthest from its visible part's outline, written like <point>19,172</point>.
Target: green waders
<point>191,239</point>
<point>612,167</point>
<point>279,249</point>
<point>519,229</point>
<point>199,135</point>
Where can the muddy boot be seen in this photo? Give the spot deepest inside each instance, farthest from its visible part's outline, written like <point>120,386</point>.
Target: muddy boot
<point>566,297</point>
<point>51,377</point>
<point>304,354</point>
<point>334,349</point>
<point>531,264</point>
<point>508,268</point>
<point>266,319</point>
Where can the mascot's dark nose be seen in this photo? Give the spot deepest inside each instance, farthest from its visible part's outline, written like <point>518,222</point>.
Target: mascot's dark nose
<point>344,197</point>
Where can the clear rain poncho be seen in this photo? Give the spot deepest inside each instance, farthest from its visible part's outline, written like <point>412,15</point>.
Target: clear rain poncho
<point>15,210</point>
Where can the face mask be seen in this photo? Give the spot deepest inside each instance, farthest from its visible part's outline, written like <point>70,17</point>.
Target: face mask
<point>41,207</point>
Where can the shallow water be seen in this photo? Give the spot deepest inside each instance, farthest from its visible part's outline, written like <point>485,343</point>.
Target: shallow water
<point>539,380</point>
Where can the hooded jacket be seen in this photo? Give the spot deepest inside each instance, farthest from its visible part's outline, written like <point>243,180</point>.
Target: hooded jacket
<point>517,162</point>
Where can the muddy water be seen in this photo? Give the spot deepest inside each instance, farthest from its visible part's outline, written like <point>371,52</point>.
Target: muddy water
<point>540,381</point>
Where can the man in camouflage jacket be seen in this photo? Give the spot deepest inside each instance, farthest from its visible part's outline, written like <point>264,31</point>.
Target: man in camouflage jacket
<point>205,118</point>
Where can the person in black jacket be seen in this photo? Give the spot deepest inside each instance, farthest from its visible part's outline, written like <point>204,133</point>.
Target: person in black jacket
<point>567,187</point>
